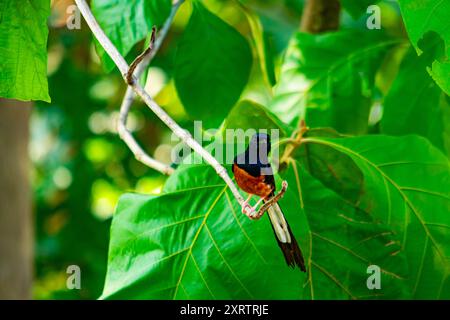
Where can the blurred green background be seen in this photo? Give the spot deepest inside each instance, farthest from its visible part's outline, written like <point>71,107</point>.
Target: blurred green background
<point>81,167</point>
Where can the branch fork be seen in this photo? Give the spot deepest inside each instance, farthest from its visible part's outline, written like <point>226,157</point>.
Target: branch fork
<point>131,74</point>
<point>130,78</point>
<point>294,142</point>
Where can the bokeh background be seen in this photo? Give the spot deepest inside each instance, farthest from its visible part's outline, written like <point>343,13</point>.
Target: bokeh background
<point>80,167</point>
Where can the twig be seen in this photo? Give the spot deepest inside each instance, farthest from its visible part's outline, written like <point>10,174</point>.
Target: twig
<point>184,135</point>
<point>294,143</point>
<point>141,57</point>
<point>136,69</point>
<point>272,200</point>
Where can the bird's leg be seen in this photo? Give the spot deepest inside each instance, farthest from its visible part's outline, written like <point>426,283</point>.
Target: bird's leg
<point>247,209</point>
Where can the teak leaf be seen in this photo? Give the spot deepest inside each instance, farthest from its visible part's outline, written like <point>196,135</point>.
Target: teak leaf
<point>128,22</point>
<point>425,21</point>
<point>406,187</point>
<point>328,79</point>
<point>23,49</point>
<point>416,104</point>
<point>212,66</point>
<point>357,7</point>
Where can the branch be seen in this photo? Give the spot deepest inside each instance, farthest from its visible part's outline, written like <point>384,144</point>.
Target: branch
<point>320,16</point>
<point>184,135</point>
<point>271,201</point>
<point>134,72</point>
<point>294,142</point>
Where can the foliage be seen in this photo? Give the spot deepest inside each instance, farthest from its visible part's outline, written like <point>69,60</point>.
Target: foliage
<point>329,84</point>
<point>358,205</point>
<point>422,20</point>
<point>425,101</point>
<point>210,51</point>
<point>128,23</point>
<point>368,181</point>
<point>23,43</point>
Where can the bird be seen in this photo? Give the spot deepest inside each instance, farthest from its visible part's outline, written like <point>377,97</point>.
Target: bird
<point>254,175</point>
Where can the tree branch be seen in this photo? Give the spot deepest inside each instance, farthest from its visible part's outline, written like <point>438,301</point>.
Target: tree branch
<point>320,16</point>
<point>184,135</point>
<point>270,202</point>
<point>136,69</point>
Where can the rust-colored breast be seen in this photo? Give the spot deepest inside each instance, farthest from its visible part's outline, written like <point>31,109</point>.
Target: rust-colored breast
<point>251,184</point>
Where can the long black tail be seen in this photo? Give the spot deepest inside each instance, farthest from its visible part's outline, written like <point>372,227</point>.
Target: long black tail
<point>285,238</point>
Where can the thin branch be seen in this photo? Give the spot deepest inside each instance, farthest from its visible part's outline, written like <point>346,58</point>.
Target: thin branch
<point>184,135</point>
<point>136,69</point>
<point>141,57</point>
<point>294,143</point>
<point>271,201</point>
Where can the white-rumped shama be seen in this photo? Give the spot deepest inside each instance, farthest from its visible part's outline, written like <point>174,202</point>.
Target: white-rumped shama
<point>253,174</point>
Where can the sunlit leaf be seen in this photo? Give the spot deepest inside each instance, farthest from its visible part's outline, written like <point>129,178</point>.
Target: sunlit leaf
<point>428,20</point>
<point>212,66</point>
<point>23,49</point>
<point>328,79</point>
<point>250,115</point>
<point>406,187</point>
<point>416,104</point>
<point>128,22</point>
<point>261,46</point>
<point>193,243</point>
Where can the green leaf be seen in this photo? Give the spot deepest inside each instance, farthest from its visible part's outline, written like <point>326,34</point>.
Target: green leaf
<point>357,7</point>
<point>261,46</point>
<point>23,53</point>
<point>251,115</point>
<point>328,79</point>
<point>212,66</point>
<point>415,205</point>
<point>337,171</point>
<point>192,242</point>
<point>128,22</point>
<point>341,242</point>
<point>415,104</point>
<point>425,18</point>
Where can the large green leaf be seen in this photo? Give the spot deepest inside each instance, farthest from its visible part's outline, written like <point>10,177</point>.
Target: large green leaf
<point>212,66</point>
<point>261,45</point>
<point>128,22</point>
<point>328,79</point>
<point>336,170</point>
<point>23,49</point>
<point>425,18</point>
<point>415,202</point>
<point>341,242</point>
<point>251,115</point>
<point>416,104</point>
<point>193,242</point>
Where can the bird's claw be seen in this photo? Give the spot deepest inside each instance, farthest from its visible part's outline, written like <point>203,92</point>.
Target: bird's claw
<point>257,214</point>
<point>247,209</point>
<point>250,211</point>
